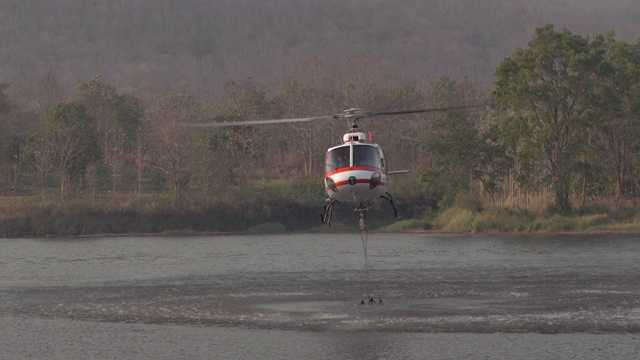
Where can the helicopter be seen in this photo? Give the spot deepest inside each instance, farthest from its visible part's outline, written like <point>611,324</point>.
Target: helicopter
<point>355,170</point>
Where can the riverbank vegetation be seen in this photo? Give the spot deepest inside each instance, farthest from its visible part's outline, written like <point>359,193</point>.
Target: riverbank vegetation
<point>231,212</point>
<point>553,147</point>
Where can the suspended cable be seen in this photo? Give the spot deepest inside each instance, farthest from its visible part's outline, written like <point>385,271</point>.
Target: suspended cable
<point>364,236</point>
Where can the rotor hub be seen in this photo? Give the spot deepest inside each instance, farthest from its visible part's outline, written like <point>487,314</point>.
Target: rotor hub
<point>353,113</point>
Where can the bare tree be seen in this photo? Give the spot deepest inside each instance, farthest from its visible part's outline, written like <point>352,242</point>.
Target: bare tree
<point>171,144</point>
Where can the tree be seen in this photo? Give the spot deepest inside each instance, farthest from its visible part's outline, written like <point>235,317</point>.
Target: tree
<point>19,121</point>
<point>98,98</point>
<point>301,146</point>
<point>5,134</point>
<point>216,159</point>
<point>465,148</point>
<point>618,134</point>
<point>245,101</point>
<point>118,120</point>
<point>548,89</point>
<point>171,144</point>
<point>125,136</point>
<point>67,144</point>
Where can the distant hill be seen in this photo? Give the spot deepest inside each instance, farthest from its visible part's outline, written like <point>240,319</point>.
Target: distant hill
<point>141,46</point>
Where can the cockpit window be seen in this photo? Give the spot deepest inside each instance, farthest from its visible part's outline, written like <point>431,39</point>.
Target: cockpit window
<point>363,155</point>
<point>337,158</point>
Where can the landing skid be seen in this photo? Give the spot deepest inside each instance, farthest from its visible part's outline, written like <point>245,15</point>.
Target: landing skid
<point>388,197</point>
<point>327,210</point>
<point>362,208</point>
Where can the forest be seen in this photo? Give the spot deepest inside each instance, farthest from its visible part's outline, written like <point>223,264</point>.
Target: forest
<point>552,145</point>
<point>197,46</point>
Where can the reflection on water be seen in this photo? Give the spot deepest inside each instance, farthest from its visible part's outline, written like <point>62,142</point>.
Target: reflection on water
<point>297,296</point>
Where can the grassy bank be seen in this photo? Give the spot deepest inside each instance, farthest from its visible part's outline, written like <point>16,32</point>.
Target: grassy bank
<point>595,219</point>
<point>279,207</point>
<point>121,214</point>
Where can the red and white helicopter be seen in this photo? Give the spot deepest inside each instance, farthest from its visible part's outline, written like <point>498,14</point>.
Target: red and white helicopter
<point>356,170</point>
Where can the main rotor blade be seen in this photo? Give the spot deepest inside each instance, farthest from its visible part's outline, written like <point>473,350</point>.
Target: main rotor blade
<point>260,122</point>
<point>422,110</point>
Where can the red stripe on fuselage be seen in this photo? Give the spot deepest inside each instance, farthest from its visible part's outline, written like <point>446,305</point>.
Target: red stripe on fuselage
<point>345,169</point>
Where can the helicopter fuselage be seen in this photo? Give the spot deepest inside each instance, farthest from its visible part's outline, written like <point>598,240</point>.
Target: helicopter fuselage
<point>356,184</point>
<point>355,171</point>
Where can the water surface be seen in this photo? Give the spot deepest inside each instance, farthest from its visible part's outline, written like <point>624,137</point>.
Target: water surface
<point>295,296</point>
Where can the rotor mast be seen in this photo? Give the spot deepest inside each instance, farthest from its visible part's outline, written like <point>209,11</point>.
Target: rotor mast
<point>353,116</point>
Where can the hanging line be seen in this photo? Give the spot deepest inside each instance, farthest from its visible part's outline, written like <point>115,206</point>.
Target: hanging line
<point>364,236</point>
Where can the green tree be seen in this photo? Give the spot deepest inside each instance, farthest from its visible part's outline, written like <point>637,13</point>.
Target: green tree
<point>464,146</point>
<point>5,134</point>
<point>67,144</point>
<point>117,118</point>
<point>215,161</point>
<point>618,134</point>
<point>125,136</point>
<point>98,97</point>
<point>19,121</point>
<point>548,89</point>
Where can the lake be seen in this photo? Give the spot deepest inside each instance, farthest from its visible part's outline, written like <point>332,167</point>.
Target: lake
<point>299,296</point>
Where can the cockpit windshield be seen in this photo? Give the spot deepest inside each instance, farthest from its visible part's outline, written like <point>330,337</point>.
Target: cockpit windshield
<point>337,158</point>
<point>363,155</point>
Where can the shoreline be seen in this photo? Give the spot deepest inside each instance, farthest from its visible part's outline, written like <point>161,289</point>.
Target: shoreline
<point>26,217</point>
<point>303,232</point>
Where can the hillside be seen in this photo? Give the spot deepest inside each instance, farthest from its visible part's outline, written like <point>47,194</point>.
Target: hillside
<point>199,45</point>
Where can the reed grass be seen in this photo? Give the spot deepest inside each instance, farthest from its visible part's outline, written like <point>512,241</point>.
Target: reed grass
<point>503,220</point>
<point>126,213</point>
<point>280,206</point>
